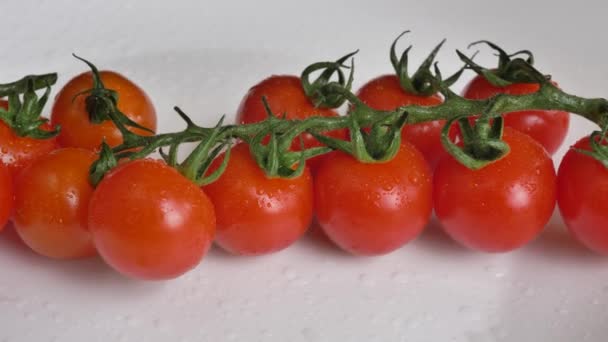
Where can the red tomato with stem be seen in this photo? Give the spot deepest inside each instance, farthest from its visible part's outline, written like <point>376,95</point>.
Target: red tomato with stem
<point>18,152</point>
<point>256,214</point>
<point>77,131</point>
<point>548,127</point>
<point>582,194</point>
<point>373,209</point>
<point>51,204</point>
<point>6,195</point>
<point>386,93</point>
<point>285,96</point>
<point>150,222</point>
<point>502,206</point>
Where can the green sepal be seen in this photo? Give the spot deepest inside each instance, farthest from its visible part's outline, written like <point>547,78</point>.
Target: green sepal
<point>379,145</point>
<point>599,148</point>
<point>106,161</point>
<point>23,115</point>
<point>481,145</point>
<point>197,163</point>
<point>203,180</point>
<point>102,104</point>
<point>422,82</point>
<point>23,85</point>
<point>510,68</point>
<point>318,91</point>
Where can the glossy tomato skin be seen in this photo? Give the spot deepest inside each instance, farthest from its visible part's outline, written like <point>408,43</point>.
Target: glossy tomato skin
<point>18,152</point>
<point>256,214</point>
<point>582,193</point>
<point>548,127</point>
<point>51,204</point>
<point>6,195</point>
<point>385,93</point>
<point>285,96</point>
<point>149,222</point>
<point>71,114</point>
<point>502,206</point>
<point>373,209</point>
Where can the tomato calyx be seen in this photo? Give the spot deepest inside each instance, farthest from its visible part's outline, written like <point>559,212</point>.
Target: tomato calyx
<point>509,69</point>
<point>378,144</point>
<point>103,164</point>
<point>482,143</point>
<point>211,143</point>
<point>102,103</point>
<point>317,92</point>
<point>275,156</point>
<point>23,115</point>
<point>422,82</point>
<point>598,140</point>
<point>374,135</point>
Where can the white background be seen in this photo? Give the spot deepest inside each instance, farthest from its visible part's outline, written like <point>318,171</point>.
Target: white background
<point>203,56</point>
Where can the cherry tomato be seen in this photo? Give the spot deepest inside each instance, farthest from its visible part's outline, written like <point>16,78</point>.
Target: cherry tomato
<point>256,214</point>
<point>373,209</point>
<point>18,152</point>
<point>6,195</point>
<point>51,204</point>
<point>285,96</point>
<point>77,131</point>
<point>385,93</point>
<point>582,193</point>
<point>502,206</point>
<point>548,127</point>
<point>150,222</point>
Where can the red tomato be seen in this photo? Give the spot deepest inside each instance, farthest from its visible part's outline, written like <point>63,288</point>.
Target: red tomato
<point>548,127</point>
<point>71,114</point>
<point>18,152</point>
<point>51,204</point>
<point>373,209</point>
<point>385,93</point>
<point>150,222</point>
<point>285,95</point>
<point>256,214</point>
<point>6,195</point>
<point>501,206</point>
<point>582,194</point>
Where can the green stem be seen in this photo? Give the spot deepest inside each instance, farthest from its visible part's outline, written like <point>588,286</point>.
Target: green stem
<point>21,86</point>
<point>548,97</point>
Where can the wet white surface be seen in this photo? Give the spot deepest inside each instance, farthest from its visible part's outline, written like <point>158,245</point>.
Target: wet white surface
<point>203,56</point>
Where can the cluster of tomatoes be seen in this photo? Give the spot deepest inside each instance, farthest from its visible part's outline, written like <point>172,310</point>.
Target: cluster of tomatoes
<point>148,221</point>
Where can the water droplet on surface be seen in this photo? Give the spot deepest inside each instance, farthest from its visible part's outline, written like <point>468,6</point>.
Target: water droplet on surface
<point>131,321</point>
<point>464,309</point>
<point>289,273</point>
<point>57,317</point>
<point>499,274</point>
<point>529,291</point>
<point>499,332</point>
<point>232,336</point>
<point>400,278</point>
<point>366,280</point>
<point>310,334</point>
